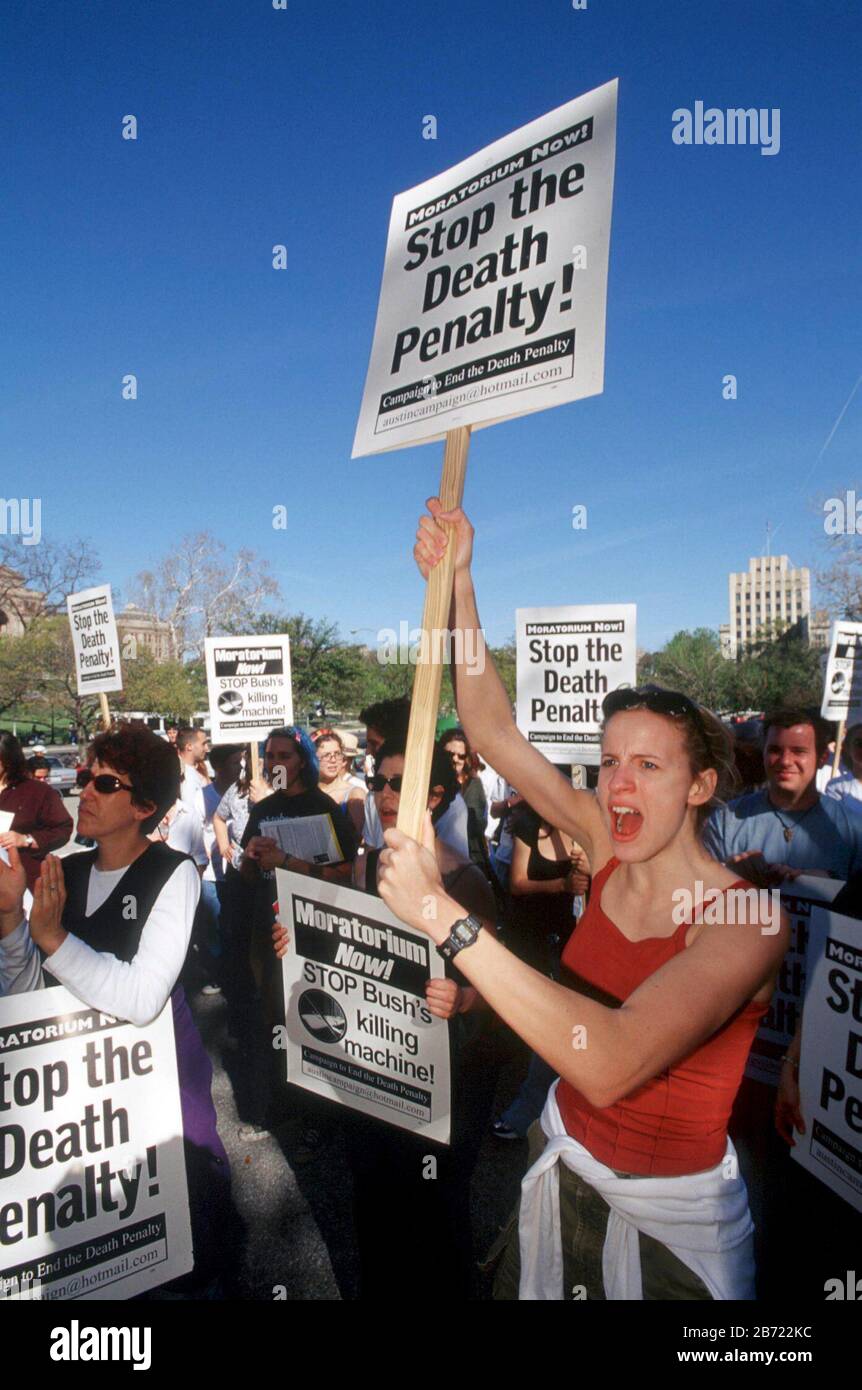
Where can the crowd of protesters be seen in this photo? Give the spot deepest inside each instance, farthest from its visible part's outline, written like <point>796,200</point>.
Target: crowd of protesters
<point>621,1033</point>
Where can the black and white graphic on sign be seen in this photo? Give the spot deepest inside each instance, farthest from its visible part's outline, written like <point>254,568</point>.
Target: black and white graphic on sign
<point>322,1015</point>
<point>230,702</point>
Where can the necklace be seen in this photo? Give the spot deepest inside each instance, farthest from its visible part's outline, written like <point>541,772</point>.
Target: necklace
<point>789,829</point>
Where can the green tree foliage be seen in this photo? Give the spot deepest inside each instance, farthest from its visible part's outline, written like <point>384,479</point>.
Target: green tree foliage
<point>775,670</point>
<point>692,663</point>
<point>504,660</point>
<point>166,687</point>
<point>59,689</point>
<point>785,671</point>
<point>322,666</point>
<point>23,664</point>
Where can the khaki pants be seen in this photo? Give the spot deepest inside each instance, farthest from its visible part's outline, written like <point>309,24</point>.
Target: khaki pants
<point>584,1222</point>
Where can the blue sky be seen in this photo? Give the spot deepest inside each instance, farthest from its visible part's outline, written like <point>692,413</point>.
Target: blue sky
<point>260,126</point>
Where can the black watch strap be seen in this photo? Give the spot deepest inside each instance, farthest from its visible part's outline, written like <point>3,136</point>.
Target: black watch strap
<point>464,933</point>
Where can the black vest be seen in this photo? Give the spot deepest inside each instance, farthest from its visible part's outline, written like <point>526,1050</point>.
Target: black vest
<point>116,926</point>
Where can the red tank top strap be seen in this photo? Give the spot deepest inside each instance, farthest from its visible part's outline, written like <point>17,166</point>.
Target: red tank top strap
<point>601,878</point>
<point>737,883</point>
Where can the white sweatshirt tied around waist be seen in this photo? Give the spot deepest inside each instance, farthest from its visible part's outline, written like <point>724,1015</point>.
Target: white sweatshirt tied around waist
<point>702,1218</point>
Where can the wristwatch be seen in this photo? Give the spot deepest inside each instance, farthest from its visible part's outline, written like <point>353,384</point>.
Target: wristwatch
<point>463,933</point>
<point>29,842</point>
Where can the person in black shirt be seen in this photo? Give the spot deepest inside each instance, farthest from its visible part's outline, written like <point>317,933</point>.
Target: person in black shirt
<point>290,765</point>
<point>398,1198</point>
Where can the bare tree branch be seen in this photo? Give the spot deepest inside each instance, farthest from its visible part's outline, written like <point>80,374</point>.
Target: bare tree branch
<point>197,591</point>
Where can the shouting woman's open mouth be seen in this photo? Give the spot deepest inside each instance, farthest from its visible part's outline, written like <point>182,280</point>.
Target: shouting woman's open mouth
<point>626,821</point>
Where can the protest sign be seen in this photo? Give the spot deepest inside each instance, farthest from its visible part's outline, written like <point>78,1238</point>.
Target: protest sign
<point>95,641</point>
<point>501,237</point>
<point>248,684</point>
<point>776,1031</point>
<point>830,1071</point>
<point>494,285</point>
<point>93,1197</point>
<point>357,1028</point>
<point>568,659</point>
<point>842,686</point>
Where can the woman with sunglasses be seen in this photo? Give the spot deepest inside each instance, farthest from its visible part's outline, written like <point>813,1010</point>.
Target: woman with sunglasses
<point>650,1030</point>
<point>127,964</point>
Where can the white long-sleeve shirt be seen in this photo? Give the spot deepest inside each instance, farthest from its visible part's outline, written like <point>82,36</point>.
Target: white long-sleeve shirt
<point>20,965</point>
<point>136,990</point>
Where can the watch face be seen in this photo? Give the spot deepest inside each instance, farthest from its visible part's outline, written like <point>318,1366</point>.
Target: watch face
<point>463,933</point>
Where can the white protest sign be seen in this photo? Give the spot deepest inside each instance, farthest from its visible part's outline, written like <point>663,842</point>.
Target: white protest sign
<point>830,1072</point>
<point>95,641</point>
<point>93,1197</point>
<point>842,686</point>
<point>248,683</point>
<point>358,1029</point>
<point>778,1026</point>
<point>494,285</point>
<point>568,659</point>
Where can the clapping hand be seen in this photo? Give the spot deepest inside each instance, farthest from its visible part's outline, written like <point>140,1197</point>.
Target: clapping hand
<point>49,899</point>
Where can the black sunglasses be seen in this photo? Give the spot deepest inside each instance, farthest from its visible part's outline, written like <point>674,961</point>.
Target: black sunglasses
<point>104,783</point>
<point>653,698</point>
<point>378,782</point>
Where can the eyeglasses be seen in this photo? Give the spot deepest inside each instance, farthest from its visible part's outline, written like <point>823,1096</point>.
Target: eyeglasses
<point>654,698</point>
<point>378,782</point>
<point>105,783</point>
<point>335,753</point>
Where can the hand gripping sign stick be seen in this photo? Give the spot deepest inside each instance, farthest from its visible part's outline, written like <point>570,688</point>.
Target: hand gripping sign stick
<point>255,760</point>
<point>429,668</point>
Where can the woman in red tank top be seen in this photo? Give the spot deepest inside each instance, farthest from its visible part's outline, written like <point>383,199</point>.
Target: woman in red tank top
<point>666,981</point>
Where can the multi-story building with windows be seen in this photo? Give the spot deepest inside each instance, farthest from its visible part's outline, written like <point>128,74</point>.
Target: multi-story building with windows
<point>771,597</point>
<point>149,634</point>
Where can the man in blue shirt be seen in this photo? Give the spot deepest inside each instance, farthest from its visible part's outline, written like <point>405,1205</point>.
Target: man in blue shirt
<point>788,827</point>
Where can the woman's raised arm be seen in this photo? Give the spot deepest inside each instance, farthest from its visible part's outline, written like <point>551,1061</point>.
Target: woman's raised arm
<point>605,1053</point>
<point>483,705</point>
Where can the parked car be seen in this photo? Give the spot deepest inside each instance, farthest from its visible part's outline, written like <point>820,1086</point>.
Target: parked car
<point>63,776</point>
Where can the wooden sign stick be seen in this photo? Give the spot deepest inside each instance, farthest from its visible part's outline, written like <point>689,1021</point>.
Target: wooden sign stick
<point>106,713</point>
<point>429,668</point>
<point>255,760</point>
<point>839,743</point>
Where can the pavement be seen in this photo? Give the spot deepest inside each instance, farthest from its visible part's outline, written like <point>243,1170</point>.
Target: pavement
<point>296,1207</point>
